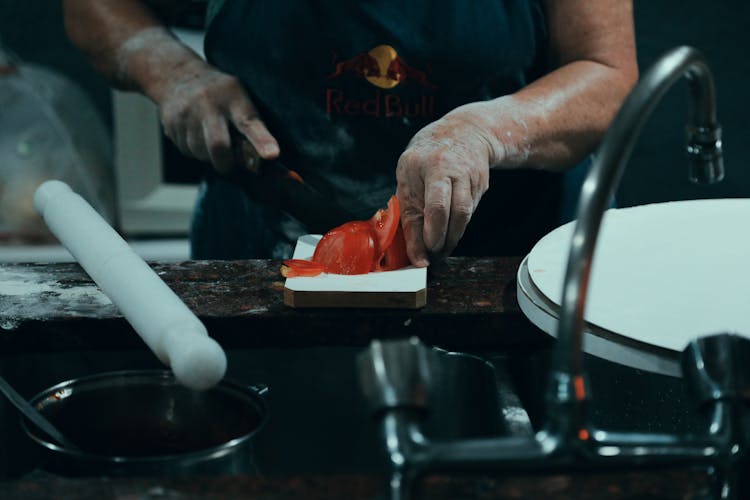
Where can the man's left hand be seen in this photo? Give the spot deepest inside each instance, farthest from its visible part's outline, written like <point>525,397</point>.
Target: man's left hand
<point>441,177</point>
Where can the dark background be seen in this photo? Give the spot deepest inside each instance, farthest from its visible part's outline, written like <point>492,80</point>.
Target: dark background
<point>657,171</point>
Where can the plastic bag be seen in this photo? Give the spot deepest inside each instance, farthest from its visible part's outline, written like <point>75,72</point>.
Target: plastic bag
<point>49,129</point>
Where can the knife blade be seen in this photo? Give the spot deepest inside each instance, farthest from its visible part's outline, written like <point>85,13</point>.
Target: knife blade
<point>271,182</point>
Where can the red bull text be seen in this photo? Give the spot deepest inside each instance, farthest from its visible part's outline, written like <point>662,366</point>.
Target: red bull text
<point>382,104</point>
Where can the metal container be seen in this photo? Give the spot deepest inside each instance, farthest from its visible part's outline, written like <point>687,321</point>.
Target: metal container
<point>142,422</point>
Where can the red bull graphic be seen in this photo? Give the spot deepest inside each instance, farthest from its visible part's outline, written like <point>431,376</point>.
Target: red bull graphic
<point>362,65</point>
<point>382,67</point>
<point>385,69</point>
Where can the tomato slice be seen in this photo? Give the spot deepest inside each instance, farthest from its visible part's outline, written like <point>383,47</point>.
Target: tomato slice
<point>347,249</point>
<point>294,268</point>
<point>357,247</point>
<point>395,256</point>
<point>385,222</point>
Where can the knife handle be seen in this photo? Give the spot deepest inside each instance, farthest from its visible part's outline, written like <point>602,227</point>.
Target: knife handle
<point>270,182</point>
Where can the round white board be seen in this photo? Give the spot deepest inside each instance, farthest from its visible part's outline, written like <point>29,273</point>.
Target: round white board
<point>663,274</point>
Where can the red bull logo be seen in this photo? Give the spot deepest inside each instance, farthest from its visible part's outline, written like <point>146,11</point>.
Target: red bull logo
<point>382,67</point>
<point>385,69</point>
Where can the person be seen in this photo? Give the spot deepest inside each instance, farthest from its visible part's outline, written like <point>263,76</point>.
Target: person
<point>444,102</point>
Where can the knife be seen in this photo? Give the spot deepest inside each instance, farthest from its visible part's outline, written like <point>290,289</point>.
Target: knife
<point>271,182</point>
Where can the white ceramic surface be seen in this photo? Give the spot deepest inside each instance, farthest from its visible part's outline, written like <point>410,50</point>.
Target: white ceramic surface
<point>664,273</point>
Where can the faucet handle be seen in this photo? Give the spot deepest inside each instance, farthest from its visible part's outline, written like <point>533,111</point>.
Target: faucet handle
<point>394,374</point>
<point>717,367</point>
<point>705,154</point>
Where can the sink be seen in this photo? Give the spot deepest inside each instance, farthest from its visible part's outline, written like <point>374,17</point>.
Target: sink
<point>622,398</point>
<point>320,422</point>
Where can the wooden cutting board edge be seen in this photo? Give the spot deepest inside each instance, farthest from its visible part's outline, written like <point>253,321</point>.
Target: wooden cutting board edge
<point>370,300</point>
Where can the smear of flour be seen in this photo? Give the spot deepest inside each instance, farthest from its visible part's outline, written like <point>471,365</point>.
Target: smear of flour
<point>31,295</point>
<point>256,310</point>
<point>23,288</point>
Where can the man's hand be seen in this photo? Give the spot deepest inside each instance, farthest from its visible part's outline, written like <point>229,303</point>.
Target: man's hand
<point>201,106</point>
<point>552,123</point>
<point>441,177</point>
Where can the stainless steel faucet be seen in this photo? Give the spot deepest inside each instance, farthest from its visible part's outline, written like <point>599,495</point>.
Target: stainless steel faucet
<point>713,365</point>
<point>704,150</point>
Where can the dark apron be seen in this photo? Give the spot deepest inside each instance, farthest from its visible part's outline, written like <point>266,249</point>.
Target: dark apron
<point>344,85</point>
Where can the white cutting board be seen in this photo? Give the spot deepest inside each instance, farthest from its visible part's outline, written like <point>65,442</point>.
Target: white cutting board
<point>404,288</point>
<point>663,274</point>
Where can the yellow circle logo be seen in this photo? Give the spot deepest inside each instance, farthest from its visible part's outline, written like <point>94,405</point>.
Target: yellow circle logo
<point>384,55</point>
<point>382,67</point>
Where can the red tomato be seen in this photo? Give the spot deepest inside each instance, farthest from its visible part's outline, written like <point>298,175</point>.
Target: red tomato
<point>293,268</point>
<point>385,222</point>
<point>357,247</point>
<point>395,256</point>
<point>347,249</point>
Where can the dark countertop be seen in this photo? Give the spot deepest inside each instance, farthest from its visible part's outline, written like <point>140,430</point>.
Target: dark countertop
<point>471,305</point>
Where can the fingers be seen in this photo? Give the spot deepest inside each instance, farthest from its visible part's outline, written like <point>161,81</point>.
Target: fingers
<point>436,225</point>
<point>413,226</point>
<point>437,201</point>
<point>437,206</point>
<point>218,143</point>
<point>441,178</point>
<point>410,193</point>
<point>200,113</point>
<point>207,140</point>
<point>449,204</point>
<point>461,209</point>
<point>244,116</point>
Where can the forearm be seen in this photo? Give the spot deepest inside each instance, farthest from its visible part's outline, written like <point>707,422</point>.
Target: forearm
<point>200,107</point>
<point>127,42</point>
<point>556,121</point>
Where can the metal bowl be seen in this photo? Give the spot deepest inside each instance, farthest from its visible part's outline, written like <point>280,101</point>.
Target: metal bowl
<point>145,422</point>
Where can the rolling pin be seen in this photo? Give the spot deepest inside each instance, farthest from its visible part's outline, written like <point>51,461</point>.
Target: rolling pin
<point>175,335</point>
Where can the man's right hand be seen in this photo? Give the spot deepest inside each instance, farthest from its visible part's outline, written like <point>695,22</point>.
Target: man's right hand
<point>199,107</point>
<point>127,43</point>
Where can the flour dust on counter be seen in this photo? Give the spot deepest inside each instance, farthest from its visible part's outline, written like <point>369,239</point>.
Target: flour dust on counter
<point>28,291</point>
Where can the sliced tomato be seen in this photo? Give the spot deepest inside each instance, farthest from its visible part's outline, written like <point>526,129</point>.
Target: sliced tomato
<point>385,222</point>
<point>294,268</point>
<point>347,249</point>
<point>357,247</point>
<point>395,256</point>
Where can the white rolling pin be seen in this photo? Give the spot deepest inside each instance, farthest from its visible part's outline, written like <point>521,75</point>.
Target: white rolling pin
<point>177,337</point>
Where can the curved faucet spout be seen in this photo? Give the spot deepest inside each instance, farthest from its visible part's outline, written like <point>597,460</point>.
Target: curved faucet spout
<point>567,390</point>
